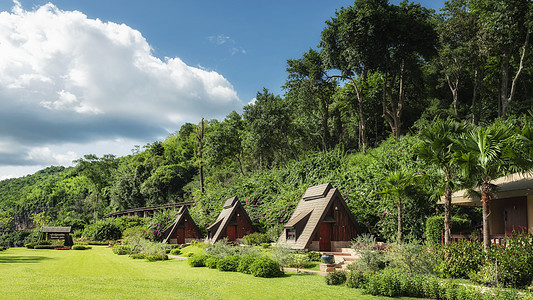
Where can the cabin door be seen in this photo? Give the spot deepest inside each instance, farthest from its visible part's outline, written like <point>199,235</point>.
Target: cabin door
<point>181,235</point>
<point>325,236</point>
<point>232,229</point>
<point>515,216</point>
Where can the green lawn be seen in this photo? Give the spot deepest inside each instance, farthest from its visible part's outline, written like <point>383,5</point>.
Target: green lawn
<point>99,274</point>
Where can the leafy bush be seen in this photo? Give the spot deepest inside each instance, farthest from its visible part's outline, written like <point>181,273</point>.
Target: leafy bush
<point>159,222</point>
<point>138,256</point>
<point>103,230</point>
<point>265,267</point>
<point>44,247</point>
<point>221,248</point>
<point>211,262</point>
<point>18,238</point>
<point>197,260</point>
<point>372,256</point>
<point>156,257</point>
<point>298,261</point>
<point>3,248</point>
<point>122,249</point>
<point>356,278</point>
<point>511,263</point>
<point>228,263</point>
<point>175,252</point>
<point>335,278</point>
<point>435,227</point>
<point>414,257</point>
<point>245,262</point>
<point>256,238</point>
<point>81,247</point>
<point>98,243</point>
<point>33,244</point>
<point>461,258</point>
<point>314,256</point>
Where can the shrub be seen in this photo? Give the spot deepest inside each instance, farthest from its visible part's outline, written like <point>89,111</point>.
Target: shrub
<point>103,230</point>
<point>228,263</point>
<point>80,247</point>
<point>265,245</point>
<point>197,260</point>
<point>256,238</point>
<point>138,256</point>
<point>314,256</point>
<point>156,257</point>
<point>265,267</point>
<point>372,256</point>
<point>211,262</point>
<point>298,261</point>
<point>414,257</point>
<point>245,262</point>
<point>435,227</point>
<point>33,244</point>
<point>44,247</point>
<point>282,254</point>
<point>62,248</point>
<point>98,243</point>
<point>513,261</point>
<point>461,258</point>
<point>356,278</point>
<point>221,248</point>
<point>175,251</point>
<point>122,249</point>
<point>335,278</point>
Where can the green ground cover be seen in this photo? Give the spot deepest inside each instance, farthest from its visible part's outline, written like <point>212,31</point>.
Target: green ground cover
<point>99,274</point>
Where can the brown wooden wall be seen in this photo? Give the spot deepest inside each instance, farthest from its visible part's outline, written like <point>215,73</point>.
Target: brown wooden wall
<point>343,229</point>
<point>244,227</point>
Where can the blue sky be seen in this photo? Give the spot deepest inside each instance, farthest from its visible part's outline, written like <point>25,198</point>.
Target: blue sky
<point>79,77</point>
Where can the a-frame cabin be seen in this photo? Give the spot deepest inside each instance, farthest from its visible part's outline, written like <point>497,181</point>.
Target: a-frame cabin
<point>321,221</point>
<point>183,230</point>
<point>232,223</point>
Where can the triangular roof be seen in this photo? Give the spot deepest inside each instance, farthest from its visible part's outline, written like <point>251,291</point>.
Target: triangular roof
<point>182,213</point>
<point>513,185</point>
<point>230,207</point>
<point>66,229</point>
<point>312,209</point>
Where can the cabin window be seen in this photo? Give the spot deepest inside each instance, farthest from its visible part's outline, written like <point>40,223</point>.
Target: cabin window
<point>291,234</point>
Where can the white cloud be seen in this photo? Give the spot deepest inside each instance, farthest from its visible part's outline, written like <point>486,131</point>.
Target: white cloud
<point>65,78</point>
<point>222,39</point>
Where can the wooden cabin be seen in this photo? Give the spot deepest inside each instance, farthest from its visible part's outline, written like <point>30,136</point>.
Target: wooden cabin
<point>321,221</point>
<point>511,207</point>
<point>183,230</point>
<point>233,223</point>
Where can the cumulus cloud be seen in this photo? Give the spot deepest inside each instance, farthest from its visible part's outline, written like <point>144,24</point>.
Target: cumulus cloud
<point>65,78</point>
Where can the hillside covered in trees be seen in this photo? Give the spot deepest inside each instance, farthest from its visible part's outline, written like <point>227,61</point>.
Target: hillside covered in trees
<point>353,114</point>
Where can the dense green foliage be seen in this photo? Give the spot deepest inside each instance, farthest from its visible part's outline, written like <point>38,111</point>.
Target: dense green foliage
<point>435,227</point>
<point>352,115</point>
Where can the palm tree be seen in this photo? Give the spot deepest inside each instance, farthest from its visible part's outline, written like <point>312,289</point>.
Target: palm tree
<point>486,154</point>
<point>437,148</point>
<point>396,185</point>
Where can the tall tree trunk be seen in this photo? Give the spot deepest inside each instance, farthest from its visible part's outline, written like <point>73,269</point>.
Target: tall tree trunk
<point>325,127</point>
<point>485,199</point>
<point>447,209</point>
<point>504,83</point>
<point>200,137</point>
<point>362,127</point>
<point>400,225</point>
<point>507,96</point>
<point>392,112</point>
<point>475,118</point>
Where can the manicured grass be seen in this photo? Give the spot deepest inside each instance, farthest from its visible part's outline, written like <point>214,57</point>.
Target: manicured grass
<point>99,274</point>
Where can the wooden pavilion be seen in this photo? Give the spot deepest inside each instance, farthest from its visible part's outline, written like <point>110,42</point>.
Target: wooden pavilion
<point>56,233</point>
<point>183,230</point>
<point>321,221</point>
<point>232,223</point>
<point>511,207</point>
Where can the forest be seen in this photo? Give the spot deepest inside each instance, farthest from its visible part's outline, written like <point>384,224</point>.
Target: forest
<point>359,110</point>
